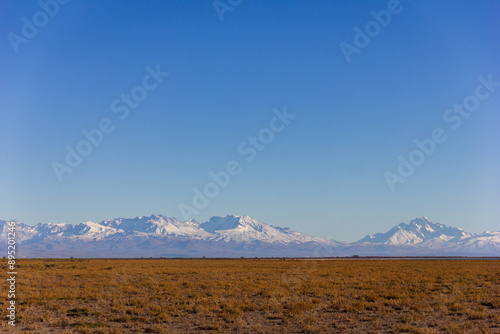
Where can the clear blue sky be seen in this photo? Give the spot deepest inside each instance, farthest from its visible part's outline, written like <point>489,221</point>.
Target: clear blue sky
<point>323,174</point>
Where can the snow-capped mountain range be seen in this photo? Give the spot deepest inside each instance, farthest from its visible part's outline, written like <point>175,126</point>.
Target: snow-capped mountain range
<point>423,234</point>
<point>234,236</point>
<point>420,231</point>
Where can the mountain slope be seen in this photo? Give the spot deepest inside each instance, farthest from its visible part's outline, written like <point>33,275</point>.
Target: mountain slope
<point>486,241</point>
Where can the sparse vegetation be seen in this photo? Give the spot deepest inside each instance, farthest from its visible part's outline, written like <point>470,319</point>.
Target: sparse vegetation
<point>257,296</point>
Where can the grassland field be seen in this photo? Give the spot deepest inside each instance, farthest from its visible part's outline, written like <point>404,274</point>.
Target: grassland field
<point>254,296</point>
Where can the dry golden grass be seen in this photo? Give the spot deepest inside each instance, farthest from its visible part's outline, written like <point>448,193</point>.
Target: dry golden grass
<point>256,296</point>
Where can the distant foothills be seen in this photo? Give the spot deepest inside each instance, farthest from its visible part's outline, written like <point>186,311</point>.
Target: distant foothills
<point>236,236</point>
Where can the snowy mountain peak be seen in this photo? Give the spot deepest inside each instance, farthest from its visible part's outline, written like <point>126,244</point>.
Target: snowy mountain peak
<point>192,222</point>
<point>231,222</point>
<point>156,225</point>
<point>246,229</point>
<point>419,231</point>
<point>91,230</point>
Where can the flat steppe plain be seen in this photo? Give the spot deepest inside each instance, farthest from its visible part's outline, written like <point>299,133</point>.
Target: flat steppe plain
<point>255,296</point>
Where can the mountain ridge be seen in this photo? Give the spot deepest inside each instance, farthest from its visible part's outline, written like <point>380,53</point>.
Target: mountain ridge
<point>234,236</point>
<point>419,230</point>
